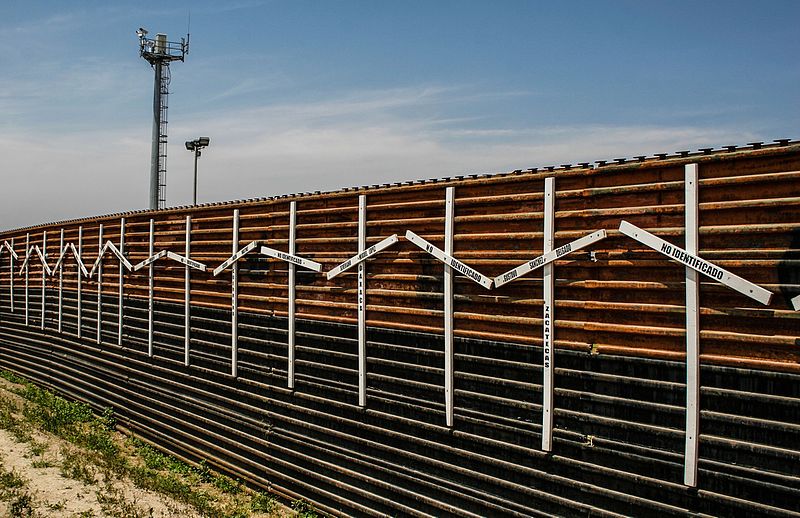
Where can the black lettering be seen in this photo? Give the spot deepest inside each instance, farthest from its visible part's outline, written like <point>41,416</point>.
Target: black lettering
<point>536,262</point>
<point>563,250</point>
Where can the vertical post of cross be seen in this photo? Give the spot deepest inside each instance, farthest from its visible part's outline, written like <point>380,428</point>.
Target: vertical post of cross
<point>120,303</point>
<point>27,265</point>
<point>692,329</point>
<point>80,290</point>
<point>44,274</point>
<point>291,290</point>
<point>449,350</point>
<point>150,291</point>
<point>187,289</point>
<point>61,281</point>
<point>548,320</point>
<point>11,288</point>
<point>362,302</point>
<point>235,298</point>
<point>100,284</point>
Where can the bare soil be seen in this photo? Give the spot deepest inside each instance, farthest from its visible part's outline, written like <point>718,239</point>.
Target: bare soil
<point>44,475</point>
<point>55,495</point>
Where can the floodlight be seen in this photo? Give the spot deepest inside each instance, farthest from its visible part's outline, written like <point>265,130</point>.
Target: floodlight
<point>197,146</point>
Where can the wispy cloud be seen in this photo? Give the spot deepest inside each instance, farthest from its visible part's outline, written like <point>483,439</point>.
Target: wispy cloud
<point>384,136</point>
<point>87,91</point>
<point>355,139</point>
<point>40,26</point>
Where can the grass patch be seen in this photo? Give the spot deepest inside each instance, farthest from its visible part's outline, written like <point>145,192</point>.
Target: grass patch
<point>97,449</point>
<point>263,503</point>
<point>18,428</point>
<point>10,480</point>
<point>14,490</point>
<point>10,376</point>
<point>43,463</point>
<point>77,466</point>
<point>113,503</point>
<point>304,509</point>
<point>22,505</point>
<point>36,448</point>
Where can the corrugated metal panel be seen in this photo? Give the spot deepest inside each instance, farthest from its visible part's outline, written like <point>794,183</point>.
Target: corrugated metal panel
<point>617,297</point>
<point>620,379</point>
<point>617,447</point>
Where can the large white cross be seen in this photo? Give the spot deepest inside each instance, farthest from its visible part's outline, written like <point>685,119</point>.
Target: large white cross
<point>149,262</point>
<point>546,261</point>
<point>693,265</point>
<point>360,259</point>
<point>450,264</point>
<point>294,261</point>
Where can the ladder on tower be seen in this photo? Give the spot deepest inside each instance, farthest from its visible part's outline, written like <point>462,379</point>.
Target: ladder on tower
<point>162,138</point>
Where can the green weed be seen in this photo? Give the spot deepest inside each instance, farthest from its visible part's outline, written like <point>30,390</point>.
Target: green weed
<point>304,509</point>
<point>36,448</point>
<point>263,502</point>
<point>55,414</point>
<point>13,488</point>
<point>21,505</point>
<point>146,467</point>
<point>42,463</point>
<point>10,376</point>
<point>227,484</point>
<point>11,480</point>
<point>113,503</point>
<point>77,466</point>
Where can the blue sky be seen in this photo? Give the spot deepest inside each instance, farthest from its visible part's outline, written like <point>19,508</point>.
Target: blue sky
<point>304,96</point>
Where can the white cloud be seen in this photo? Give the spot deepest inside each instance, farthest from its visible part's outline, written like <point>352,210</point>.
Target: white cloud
<point>372,137</point>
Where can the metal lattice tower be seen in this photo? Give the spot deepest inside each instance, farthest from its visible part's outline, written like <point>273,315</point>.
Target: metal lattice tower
<point>159,53</point>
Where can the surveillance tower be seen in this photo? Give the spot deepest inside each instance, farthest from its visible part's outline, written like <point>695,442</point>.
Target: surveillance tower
<point>159,53</point>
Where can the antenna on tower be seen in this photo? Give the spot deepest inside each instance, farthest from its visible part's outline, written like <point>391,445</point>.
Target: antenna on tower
<point>160,52</point>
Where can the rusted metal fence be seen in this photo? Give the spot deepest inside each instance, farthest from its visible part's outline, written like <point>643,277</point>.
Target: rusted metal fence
<point>257,271</point>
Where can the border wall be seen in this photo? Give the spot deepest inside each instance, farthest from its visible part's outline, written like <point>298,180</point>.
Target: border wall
<point>377,438</point>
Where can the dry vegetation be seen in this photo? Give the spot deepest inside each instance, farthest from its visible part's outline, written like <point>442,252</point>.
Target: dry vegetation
<point>59,459</point>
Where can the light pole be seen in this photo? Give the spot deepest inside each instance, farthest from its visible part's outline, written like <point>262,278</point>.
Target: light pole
<point>196,145</point>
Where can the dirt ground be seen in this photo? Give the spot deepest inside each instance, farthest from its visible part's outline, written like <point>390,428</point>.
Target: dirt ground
<point>51,494</point>
<point>43,475</point>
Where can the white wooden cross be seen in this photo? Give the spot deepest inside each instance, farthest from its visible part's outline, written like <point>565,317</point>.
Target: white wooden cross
<point>150,261</point>
<point>294,261</point>
<point>31,250</point>
<point>232,263</point>
<point>12,257</point>
<point>451,263</point>
<point>66,250</point>
<point>546,261</point>
<point>360,259</point>
<point>693,265</point>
